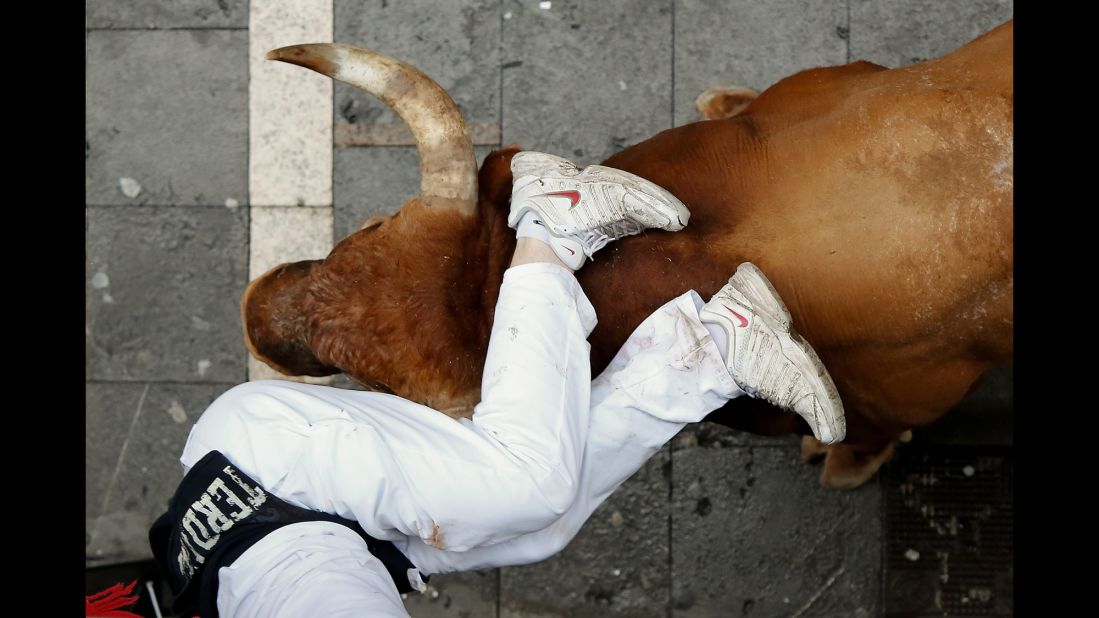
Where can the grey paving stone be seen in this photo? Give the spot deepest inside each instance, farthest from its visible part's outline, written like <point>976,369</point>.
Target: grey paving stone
<point>167,13</point>
<point>163,289</point>
<point>586,79</point>
<point>134,434</point>
<point>753,533</point>
<point>472,594</point>
<point>715,435</point>
<point>616,566</point>
<point>751,44</point>
<point>375,181</point>
<point>166,117</point>
<point>455,43</point>
<point>371,181</point>
<point>109,412</point>
<point>899,32</point>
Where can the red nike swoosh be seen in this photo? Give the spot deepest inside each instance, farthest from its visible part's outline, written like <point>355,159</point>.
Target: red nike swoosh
<point>743,320</point>
<point>569,250</point>
<point>574,196</point>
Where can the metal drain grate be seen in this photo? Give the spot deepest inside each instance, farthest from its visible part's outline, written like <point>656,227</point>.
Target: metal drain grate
<point>949,543</point>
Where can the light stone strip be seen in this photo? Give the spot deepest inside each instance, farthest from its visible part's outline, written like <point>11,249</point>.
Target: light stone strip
<point>290,107</point>
<point>289,145</point>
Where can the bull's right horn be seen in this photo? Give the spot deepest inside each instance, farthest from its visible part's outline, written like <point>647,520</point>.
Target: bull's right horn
<point>448,168</point>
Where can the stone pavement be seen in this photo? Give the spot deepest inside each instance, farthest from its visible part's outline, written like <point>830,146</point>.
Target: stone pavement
<point>720,523</point>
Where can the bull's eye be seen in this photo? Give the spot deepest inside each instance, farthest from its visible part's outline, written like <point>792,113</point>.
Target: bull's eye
<point>372,385</point>
<point>380,387</point>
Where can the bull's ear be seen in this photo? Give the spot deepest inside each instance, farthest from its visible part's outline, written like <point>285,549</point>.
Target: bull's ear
<point>374,221</point>
<point>494,178</point>
<point>275,316</point>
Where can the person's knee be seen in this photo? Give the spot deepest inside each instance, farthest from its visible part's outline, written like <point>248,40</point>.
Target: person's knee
<point>559,490</point>
<point>226,420</point>
<point>230,409</point>
<point>551,543</point>
<point>543,544</point>
<point>558,540</point>
<point>542,470</point>
<point>533,498</point>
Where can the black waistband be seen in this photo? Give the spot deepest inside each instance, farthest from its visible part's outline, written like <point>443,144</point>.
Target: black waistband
<point>216,514</point>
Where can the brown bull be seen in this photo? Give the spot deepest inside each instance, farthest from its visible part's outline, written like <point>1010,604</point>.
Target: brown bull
<point>878,201</point>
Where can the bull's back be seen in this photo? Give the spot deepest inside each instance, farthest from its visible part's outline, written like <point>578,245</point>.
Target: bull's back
<point>878,201</point>
<point>909,177</point>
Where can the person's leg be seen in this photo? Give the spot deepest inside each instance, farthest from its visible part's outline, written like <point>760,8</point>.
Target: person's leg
<point>668,373</point>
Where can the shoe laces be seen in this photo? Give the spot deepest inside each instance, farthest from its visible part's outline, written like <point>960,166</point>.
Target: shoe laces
<point>596,239</point>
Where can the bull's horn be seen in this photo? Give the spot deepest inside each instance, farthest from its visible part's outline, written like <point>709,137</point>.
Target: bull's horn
<point>448,168</point>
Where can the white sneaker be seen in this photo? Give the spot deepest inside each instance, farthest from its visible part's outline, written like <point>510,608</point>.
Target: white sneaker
<point>584,210</point>
<point>768,359</point>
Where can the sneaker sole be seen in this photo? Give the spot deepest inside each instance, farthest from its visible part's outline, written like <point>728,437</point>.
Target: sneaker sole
<point>674,211</point>
<point>551,166</point>
<point>541,164</point>
<point>799,352</point>
<point>762,294</point>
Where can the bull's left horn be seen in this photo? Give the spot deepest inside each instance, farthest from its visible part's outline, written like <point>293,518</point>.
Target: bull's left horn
<point>448,168</point>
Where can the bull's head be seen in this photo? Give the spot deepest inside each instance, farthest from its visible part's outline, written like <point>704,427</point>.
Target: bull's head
<point>405,303</point>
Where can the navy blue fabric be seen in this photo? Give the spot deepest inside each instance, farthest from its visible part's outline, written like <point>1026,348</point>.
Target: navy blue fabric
<point>216,514</point>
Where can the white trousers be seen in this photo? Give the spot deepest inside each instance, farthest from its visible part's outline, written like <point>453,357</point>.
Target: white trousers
<point>512,485</point>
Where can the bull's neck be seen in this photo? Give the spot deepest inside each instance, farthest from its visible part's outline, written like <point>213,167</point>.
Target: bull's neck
<point>705,164</point>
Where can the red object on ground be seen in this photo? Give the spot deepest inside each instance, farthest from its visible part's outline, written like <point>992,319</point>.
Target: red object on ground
<point>108,603</point>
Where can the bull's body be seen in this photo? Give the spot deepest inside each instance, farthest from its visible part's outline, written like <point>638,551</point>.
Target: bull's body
<point>878,201</point>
